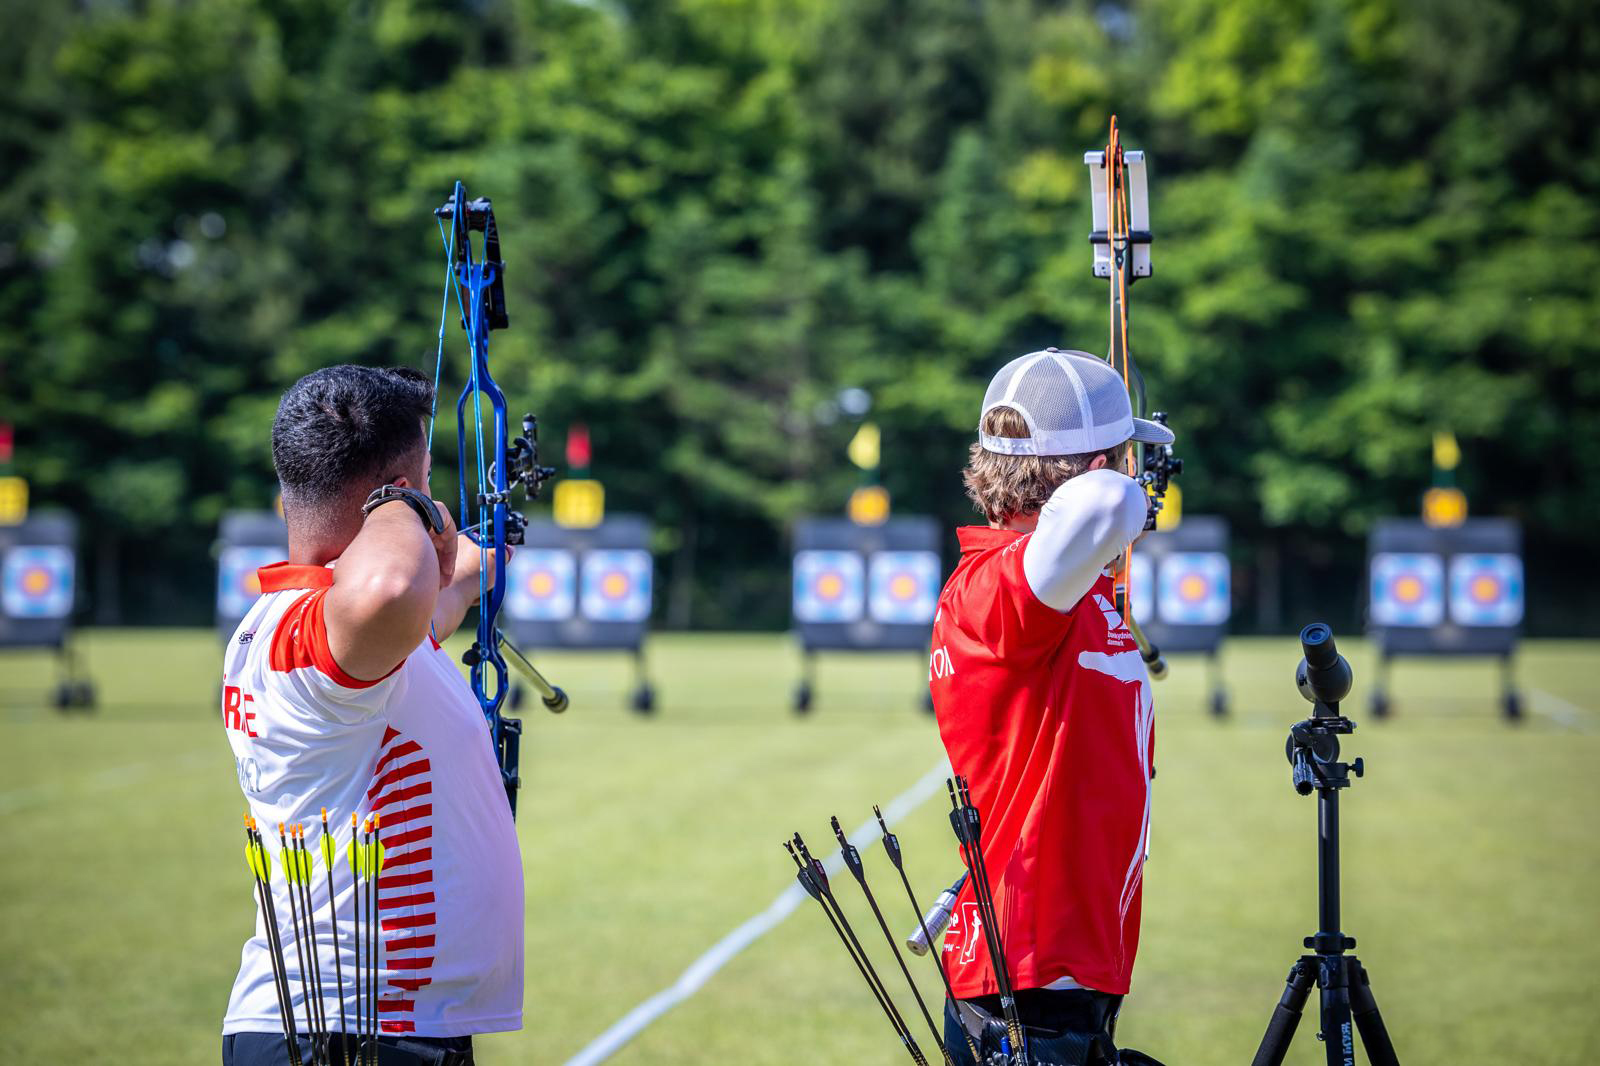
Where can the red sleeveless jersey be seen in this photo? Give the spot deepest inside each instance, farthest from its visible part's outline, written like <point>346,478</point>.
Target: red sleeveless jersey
<point>1049,716</point>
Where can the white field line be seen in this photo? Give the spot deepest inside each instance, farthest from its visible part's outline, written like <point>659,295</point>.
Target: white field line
<point>106,780</point>
<point>1558,710</point>
<point>701,970</point>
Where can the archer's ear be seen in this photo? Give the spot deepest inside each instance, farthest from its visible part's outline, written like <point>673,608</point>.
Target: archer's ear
<point>1098,462</point>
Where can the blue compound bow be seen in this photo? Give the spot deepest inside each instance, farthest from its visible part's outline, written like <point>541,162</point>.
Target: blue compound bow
<point>502,464</point>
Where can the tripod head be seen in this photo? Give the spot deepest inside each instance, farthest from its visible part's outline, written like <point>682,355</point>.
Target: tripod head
<point>1324,679</point>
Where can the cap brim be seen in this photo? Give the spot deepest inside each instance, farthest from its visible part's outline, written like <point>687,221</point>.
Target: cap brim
<point>1148,432</point>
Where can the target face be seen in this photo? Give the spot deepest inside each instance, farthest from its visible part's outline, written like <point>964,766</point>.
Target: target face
<point>37,581</point>
<point>1486,589</point>
<point>1194,589</point>
<point>616,585</point>
<point>1407,589</point>
<point>904,587</point>
<point>541,585</point>
<point>238,587</point>
<point>1141,593</point>
<point>828,586</point>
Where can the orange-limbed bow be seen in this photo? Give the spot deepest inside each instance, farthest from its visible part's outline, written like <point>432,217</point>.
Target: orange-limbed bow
<point>1125,258</point>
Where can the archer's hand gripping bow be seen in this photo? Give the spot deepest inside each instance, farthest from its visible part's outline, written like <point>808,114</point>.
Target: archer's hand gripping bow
<point>502,464</point>
<point>1121,240</point>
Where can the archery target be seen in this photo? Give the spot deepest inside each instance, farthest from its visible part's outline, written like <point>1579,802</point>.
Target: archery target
<point>827,586</point>
<point>904,587</point>
<point>1407,589</point>
<point>541,585</point>
<point>1141,594</point>
<point>38,581</point>
<point>1486,589</point>
<point>616,585</point>
<point>237,584</point>
<point>1194,589</point>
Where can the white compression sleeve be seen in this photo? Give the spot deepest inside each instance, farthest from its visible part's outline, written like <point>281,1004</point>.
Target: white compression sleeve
<point>1083,526</point>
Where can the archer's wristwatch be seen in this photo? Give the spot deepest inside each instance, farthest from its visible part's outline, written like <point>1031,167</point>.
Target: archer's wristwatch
<point>417,501</point>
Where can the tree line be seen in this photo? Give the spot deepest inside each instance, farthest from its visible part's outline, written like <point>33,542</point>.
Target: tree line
<point>1375,220</point>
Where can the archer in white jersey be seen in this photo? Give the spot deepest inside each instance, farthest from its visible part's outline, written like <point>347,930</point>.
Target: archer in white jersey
<point>337,694</point>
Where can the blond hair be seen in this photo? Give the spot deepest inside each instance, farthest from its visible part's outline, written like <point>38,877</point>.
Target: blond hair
<point>1009,486</point>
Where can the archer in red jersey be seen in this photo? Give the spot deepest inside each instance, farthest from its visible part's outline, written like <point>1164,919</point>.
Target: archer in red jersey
<point>1044,704</point>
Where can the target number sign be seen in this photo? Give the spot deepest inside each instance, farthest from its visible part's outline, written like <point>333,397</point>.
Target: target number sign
<point>904,587</point>
<point>542,585</point>
<point>617,585</point>
<point>1486,589</point>
<point>1407,589</point>
<point>36,581</point>
<point>238,587</point>
<point>828,586</point>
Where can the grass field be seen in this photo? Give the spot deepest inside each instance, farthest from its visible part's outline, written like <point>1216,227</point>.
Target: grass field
<point>1472,865</point>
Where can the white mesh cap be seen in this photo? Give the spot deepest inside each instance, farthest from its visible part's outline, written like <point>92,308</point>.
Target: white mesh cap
<point>1072,402</point>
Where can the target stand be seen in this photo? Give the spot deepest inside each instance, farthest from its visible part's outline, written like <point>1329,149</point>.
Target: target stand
<point>38,590</point>
<point>861,588</point>
<point>584,589</point>
<point>1445,591</point>
<point>1180,584</point>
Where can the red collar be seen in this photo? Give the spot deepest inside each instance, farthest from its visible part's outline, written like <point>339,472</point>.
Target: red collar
<point>280,576</point>
<point>983,538</point>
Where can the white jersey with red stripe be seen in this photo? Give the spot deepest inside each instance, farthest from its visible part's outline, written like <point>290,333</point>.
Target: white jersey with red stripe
<point>413,748</point>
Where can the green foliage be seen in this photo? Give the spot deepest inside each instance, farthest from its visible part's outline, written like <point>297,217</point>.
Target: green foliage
<point>1375,221</point>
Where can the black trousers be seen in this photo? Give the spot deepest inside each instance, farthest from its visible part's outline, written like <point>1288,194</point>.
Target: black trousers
<point>270,1049</point>
<point>1065,1027</point>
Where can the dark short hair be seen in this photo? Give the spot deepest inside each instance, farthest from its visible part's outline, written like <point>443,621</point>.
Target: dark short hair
<point>346,425</point>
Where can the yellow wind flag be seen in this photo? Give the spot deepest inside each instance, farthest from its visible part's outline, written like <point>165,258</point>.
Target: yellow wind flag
<point>1446,452</point>
<point>863,450</point>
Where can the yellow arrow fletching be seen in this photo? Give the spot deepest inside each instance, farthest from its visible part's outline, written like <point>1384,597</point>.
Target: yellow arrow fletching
<point>378,863</point>
<point>327,846</point>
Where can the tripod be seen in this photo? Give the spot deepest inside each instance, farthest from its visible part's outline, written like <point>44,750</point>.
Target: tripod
<point>1324,679</point>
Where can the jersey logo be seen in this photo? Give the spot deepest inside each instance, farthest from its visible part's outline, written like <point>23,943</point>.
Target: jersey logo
<point>970,925</point>
<point>1116,628</point>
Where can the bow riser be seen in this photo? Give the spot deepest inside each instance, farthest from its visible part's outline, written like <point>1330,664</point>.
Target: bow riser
<point>498,462</point>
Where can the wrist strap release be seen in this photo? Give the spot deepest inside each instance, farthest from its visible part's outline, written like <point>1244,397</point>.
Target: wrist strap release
<point>417,501</point>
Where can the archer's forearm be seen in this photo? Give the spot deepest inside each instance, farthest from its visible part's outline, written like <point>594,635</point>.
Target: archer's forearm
<point>385,591</point>
<point>1085,524</point>
<point>451,608</point>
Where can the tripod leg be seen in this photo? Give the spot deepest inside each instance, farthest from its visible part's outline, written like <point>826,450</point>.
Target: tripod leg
<point>1286,1015</point>
<point>1338,1035</point>
<point>1364,1009</point>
